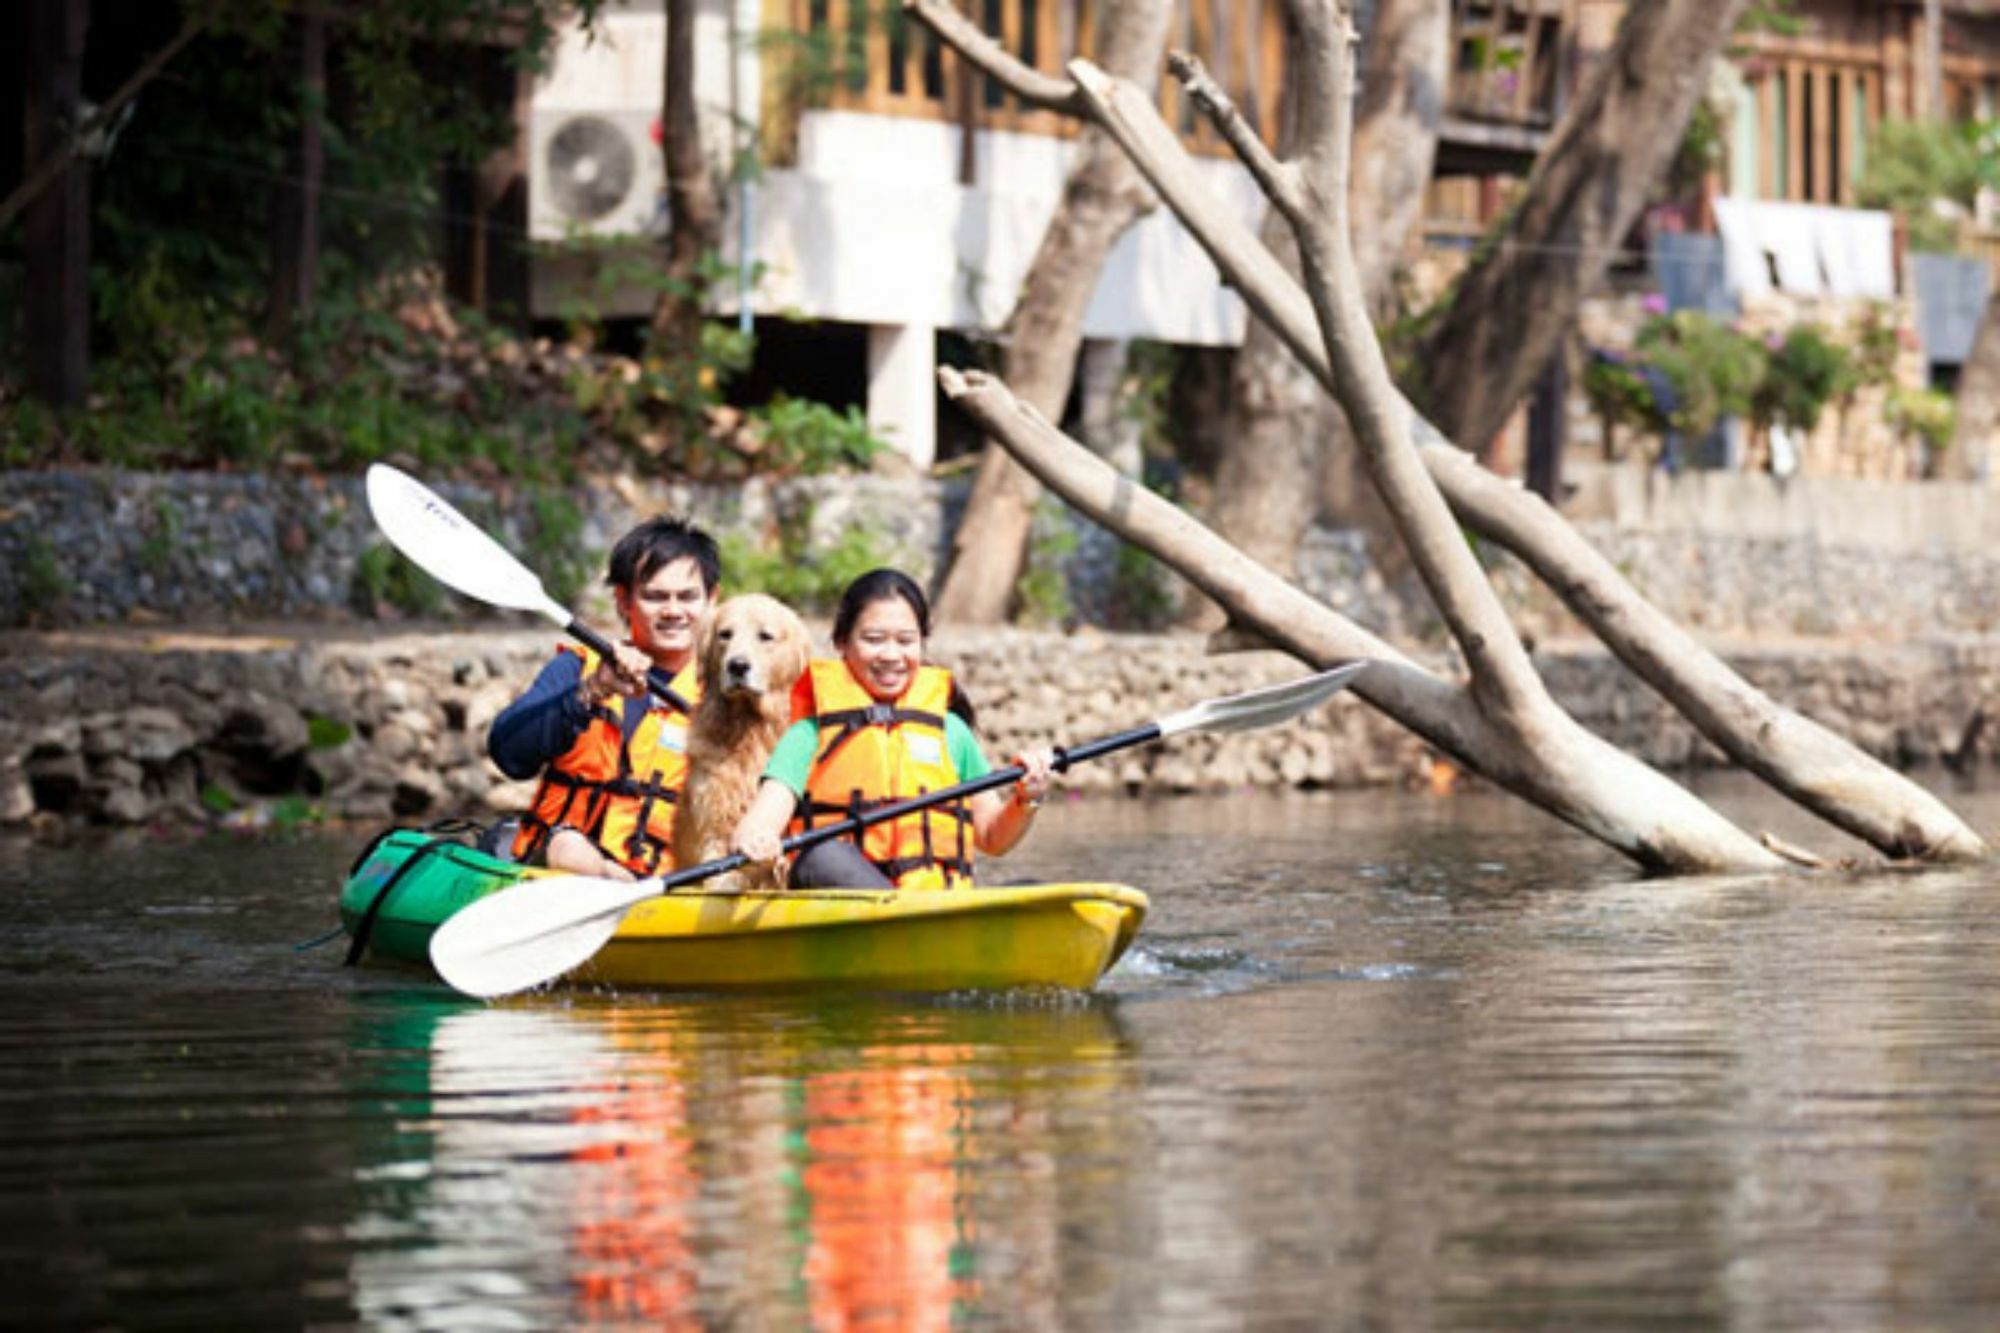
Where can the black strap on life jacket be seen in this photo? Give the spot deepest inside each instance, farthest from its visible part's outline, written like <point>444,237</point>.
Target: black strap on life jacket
<point>597,794</point>
<point>896,867</point>
<point>847,723</point>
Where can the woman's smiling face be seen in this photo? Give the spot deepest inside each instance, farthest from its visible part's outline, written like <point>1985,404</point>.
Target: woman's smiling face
<point>885,647</point>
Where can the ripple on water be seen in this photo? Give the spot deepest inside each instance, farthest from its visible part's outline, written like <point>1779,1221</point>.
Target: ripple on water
<point>1373,1062</point>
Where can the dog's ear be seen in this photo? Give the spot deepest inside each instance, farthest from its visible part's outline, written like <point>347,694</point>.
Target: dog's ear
<point>798,647</point>
<point>704,639</point>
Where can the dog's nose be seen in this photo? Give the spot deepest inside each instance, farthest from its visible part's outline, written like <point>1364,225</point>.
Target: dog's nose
<point>736,668</point>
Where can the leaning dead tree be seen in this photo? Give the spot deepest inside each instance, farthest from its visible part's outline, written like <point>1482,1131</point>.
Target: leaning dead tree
<point>1102,196</point>
<point>1286,452</point>
<point>1501,722</point>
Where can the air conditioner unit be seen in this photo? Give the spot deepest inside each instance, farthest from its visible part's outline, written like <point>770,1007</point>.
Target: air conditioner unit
<point>594,173</point>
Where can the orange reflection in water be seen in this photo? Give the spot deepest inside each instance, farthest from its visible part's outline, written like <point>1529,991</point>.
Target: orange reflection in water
<point>877,1161</point>
<point>634,1260</point>
<point>884,1142</point>
<point>793,1179</point>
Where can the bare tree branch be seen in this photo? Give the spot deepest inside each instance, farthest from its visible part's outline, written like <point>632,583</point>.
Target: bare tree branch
<point>1502,676</point>
<point>992,59</point>
<point>1278,181</point>
<point>1819,770</point>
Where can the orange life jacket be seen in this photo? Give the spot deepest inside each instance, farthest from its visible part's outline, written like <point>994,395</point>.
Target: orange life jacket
<point>872,754</point>
<point>617,790</point>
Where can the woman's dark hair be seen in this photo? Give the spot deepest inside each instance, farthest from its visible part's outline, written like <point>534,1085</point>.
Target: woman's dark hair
<point>879,585</point>
<point>656,543</point>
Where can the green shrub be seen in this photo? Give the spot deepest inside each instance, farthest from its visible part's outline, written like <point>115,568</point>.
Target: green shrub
<point>1927,415</point>
<point>808,438</point>
<point>40,580</point>
<point>1929,173</point>
<point>810,581</point>
<point>1712,369</point>
<point>1042,592</point>
<point>1142,590</point>
<point>555,545</point>
<point>1802,374</point>
<point>1620,396</point>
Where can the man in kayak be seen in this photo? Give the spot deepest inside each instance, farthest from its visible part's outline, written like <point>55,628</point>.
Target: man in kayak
<point>611,757</point>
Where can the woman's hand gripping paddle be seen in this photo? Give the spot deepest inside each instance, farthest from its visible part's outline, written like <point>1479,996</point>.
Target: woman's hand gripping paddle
<point>449,547</point>
<point>532,933</point>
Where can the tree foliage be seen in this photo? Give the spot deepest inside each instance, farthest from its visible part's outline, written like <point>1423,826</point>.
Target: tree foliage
<point>1929,174</point>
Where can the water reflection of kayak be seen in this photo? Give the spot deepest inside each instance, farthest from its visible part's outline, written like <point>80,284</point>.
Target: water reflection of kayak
<point>1062,935</point>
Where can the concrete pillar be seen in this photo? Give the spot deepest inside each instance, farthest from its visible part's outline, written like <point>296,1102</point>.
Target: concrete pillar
<point>1111,432</point>
<point>902,389</point>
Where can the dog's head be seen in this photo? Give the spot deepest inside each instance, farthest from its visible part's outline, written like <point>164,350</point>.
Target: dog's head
<point>752,645</point>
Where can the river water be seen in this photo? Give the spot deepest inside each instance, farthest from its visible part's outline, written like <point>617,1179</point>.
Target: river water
<point>1378,1061</point>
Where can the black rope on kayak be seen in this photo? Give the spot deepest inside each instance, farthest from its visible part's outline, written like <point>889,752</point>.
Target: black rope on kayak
<point>364,928</point>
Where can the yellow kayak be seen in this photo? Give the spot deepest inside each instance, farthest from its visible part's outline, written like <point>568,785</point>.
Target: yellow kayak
<point>1061,935</point>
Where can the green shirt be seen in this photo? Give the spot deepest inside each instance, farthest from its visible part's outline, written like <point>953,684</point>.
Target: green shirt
<point>791,762</point>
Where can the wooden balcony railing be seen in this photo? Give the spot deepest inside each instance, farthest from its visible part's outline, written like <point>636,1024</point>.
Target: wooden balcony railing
<point>876,60</point>
<point>1508,60</point>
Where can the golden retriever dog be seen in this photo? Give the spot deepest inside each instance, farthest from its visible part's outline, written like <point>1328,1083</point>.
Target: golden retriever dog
<point>749,653</point>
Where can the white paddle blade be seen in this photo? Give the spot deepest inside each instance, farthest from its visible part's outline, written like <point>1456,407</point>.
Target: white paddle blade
<point>531,934</point>
<point>1265,707</point>
<point>451,548</point>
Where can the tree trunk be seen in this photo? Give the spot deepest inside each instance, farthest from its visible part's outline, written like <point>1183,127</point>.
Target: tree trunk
<point>1101,198</point>
<point>1509,313</point>
<point>693,203</point>
<point>1397,118</point>
<point>1820,771</point>
<point>1285,431</point>
<point>295,214</point>
<point>1975,443</point>
<point>55,226</point>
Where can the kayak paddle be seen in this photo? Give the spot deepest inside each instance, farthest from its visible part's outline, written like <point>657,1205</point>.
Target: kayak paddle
<point>539,929</point>
<point>449,547</point>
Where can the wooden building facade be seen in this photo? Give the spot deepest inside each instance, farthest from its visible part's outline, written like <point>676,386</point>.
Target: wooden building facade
<point>1807,104</point>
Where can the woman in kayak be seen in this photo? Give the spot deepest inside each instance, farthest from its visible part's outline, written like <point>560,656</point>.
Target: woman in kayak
<point>881,726</point>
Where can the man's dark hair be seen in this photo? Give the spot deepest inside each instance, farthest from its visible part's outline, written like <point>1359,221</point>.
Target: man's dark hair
<point>656,543</point>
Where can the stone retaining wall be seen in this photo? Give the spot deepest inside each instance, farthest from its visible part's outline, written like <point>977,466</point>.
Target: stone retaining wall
<point>101,547</point>
<point>129,728</point>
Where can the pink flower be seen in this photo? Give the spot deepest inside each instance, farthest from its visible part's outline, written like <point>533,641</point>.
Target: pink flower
<point>1655,303</point>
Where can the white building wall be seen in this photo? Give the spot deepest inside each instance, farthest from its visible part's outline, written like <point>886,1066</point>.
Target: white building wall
<point>872,225</point>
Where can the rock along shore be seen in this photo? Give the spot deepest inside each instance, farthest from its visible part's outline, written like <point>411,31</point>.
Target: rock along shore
<point>136,727</point>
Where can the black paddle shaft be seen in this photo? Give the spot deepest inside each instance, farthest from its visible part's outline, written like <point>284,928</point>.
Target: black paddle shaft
<point>999,777</point>
<point>657,680</point>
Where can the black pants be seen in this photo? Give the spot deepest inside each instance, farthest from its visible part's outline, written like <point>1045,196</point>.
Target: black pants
<point>838,864</point>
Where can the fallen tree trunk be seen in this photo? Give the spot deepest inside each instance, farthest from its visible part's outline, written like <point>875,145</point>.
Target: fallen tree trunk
<point>1817,769</point>
<point>1572,774</point>
<point>1812,766</point>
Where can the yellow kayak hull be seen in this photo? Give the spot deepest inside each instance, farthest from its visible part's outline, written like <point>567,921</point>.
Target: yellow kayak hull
<point>1063,935</point>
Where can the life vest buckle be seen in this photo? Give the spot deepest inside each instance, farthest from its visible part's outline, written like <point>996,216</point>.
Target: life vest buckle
<point>878,714</point>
